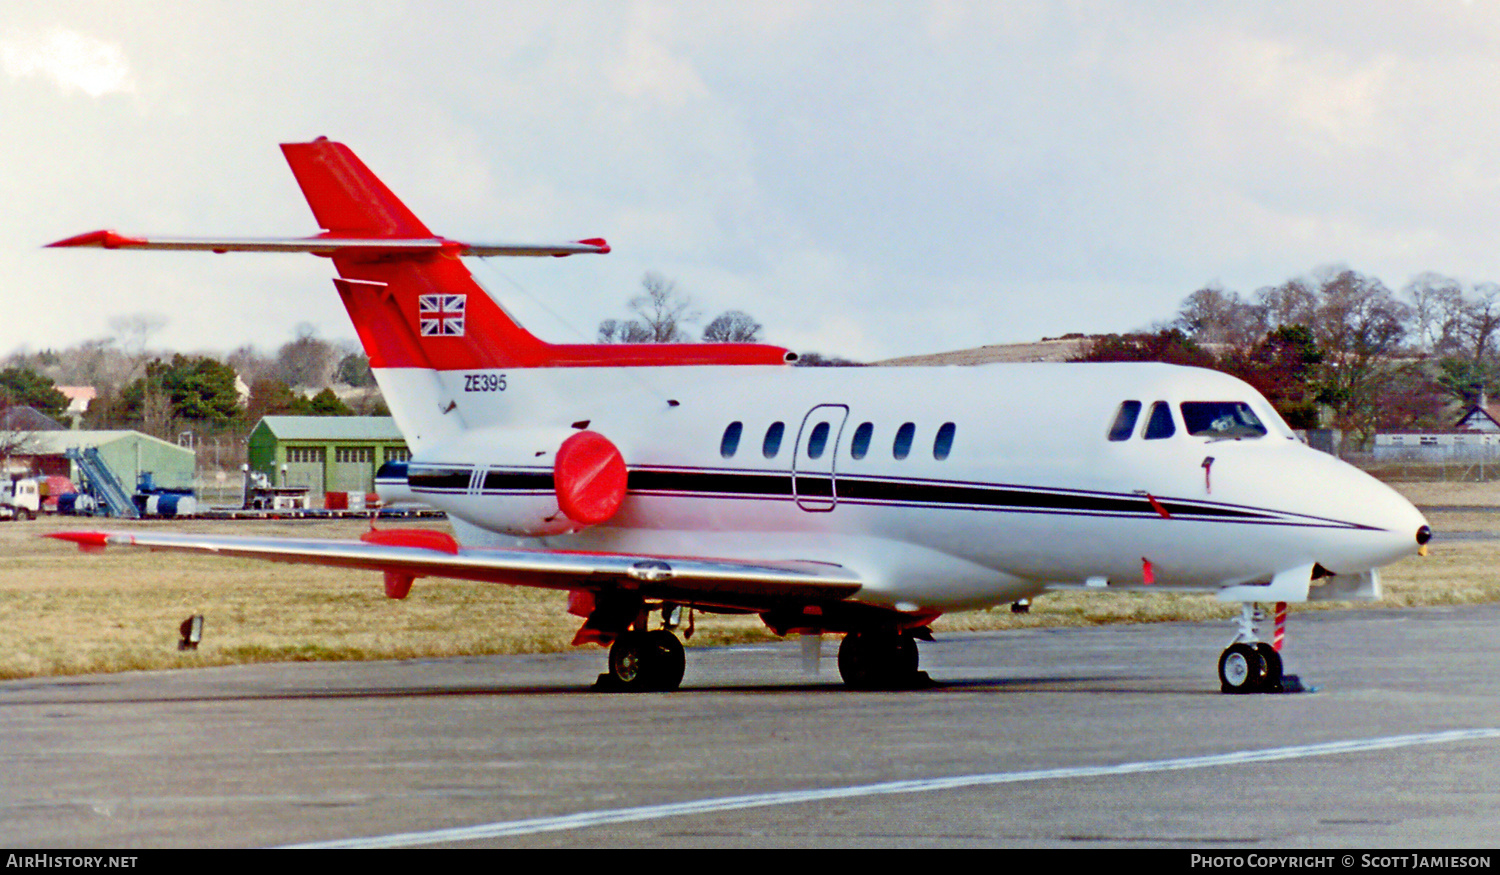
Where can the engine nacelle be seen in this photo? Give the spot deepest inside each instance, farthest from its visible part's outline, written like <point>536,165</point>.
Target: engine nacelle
<point>528,482</point>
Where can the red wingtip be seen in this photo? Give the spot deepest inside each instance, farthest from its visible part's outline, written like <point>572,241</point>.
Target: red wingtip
<point>102,239</point>
<point>599,242</point>
<point>88,542</point>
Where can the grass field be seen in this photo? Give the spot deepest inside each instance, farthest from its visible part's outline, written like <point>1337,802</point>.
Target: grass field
<point>62,612</point>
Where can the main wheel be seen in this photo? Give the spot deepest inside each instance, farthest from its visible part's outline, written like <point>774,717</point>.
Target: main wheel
<point>665,660</point>
<point>627,661</point>
<point>881,660</point>
<point>1242,669</point>
<point>647,661</point>
<point>1274,670</point>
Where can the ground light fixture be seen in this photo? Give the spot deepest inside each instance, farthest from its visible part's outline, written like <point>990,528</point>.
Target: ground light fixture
<point>192,632</point>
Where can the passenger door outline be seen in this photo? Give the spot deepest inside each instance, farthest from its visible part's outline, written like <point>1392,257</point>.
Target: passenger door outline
<point>814,481</point>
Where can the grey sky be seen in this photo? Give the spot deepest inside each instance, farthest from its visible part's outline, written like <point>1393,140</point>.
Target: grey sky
<point>868,179</point>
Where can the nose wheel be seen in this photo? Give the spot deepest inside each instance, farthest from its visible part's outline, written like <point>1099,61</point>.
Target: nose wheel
<point>1250,665</point>
<point>1242,669</point>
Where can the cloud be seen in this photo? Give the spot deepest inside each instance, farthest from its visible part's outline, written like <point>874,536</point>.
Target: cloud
<point>72,60</point>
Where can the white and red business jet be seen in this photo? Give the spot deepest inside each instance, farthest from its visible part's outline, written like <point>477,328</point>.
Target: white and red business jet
<point>645,479</point>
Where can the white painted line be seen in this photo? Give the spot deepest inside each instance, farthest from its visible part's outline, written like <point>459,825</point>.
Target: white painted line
<point>790,797</point>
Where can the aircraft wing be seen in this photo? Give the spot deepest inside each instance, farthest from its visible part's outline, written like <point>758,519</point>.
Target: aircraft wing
<point>327,245</point>
<point>705,582</point>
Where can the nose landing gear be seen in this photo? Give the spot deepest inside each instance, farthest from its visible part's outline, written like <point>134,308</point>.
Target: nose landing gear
<point>1250,665</point>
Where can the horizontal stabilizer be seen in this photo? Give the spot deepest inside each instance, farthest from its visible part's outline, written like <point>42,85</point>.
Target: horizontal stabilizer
<point>324,245</point>
<point>410,296</point>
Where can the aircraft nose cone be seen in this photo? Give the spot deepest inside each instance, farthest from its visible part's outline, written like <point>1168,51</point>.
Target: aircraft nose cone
<point>1383,525</point>
<point>1407,530</point>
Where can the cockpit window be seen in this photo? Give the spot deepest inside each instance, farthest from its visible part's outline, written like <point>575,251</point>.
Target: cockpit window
<point>1221,419</point>
<point>1160,424</point>
<point>1124,425</point>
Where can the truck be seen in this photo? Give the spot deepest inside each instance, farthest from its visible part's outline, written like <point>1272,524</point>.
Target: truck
<point>21,499</point>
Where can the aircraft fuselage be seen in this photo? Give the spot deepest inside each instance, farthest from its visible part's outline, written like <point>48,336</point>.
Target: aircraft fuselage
<point>944,488</point>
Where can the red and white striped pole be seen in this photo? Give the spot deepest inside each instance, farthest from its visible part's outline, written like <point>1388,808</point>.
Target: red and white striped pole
<point>1280,626</point>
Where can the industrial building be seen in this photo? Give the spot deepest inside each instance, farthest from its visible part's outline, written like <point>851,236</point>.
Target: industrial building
<point>325,453</point>
<point>127,453</point>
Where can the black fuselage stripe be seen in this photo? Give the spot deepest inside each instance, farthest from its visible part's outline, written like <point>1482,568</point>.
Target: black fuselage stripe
<point>871,491</point>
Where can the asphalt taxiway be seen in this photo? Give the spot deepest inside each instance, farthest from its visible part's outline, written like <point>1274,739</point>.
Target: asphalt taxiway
<point>1110,736</point>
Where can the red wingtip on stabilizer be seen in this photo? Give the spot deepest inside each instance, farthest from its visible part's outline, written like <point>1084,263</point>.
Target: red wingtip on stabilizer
<point>596,241</point>
<point>99,239</point>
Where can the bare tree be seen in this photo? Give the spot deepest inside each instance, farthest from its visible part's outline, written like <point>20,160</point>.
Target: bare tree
<point>132,333</point>
<point>307,361</point>
<point>623,331</point>
<point>1438,307</point>
<point>663,309</point>
<point>1481,322</point>
<point>133,330</point>
<point>1214,315</point>
<point>156,413</point>
<point>1360,326</point>
<point>732,326</point>
<point>250,364</point>
<point>1294,302</point>
<point>661,314</point>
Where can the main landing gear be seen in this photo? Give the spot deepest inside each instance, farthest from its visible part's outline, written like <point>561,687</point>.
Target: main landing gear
<point>1250,665</point>
<point>884,659</point>
<point>642,661</point>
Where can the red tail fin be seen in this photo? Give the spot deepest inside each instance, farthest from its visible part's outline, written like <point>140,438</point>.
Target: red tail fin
<point>346,198</point>
<point>423,309</point>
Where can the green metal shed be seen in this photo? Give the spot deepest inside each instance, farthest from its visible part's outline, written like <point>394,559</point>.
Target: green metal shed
<point>325,453</point>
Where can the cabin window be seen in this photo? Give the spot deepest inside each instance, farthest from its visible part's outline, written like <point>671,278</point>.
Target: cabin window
<point>943,445</point>
<point>1160,424</point>
<point>772,444</point>
<point>1125,419</point>
<point>731,441</point>
<point>904,436</point>
<point>817,442</point>
<point>862,435</point>
<point>1221,419</point>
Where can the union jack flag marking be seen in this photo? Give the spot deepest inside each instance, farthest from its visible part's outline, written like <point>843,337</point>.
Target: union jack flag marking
<point>441,315</point>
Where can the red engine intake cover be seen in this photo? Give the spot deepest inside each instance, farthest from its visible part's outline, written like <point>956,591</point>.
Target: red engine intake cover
<point>590,478</point>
